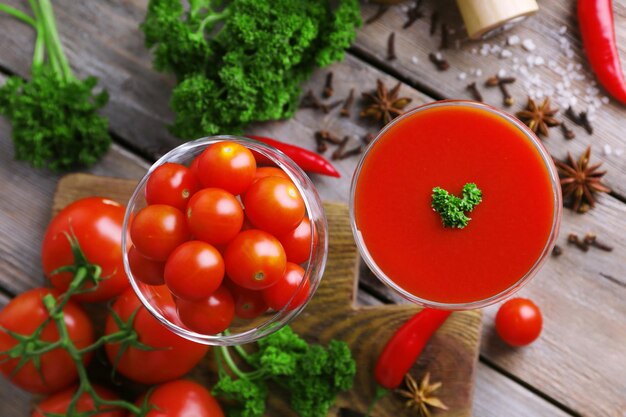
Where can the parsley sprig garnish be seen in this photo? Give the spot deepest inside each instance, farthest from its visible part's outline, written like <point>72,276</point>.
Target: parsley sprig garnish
<point>452,209</point>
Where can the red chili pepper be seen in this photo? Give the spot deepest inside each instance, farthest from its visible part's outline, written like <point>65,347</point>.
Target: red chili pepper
<point>305,159</point>
<point>597,30</point>
<point>405,346</point>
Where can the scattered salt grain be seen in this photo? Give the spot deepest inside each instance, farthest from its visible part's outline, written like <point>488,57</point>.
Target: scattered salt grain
<point>479,72</point>
<point>604,100</point>
<point>619,152</point>
<point>474,51</point>
<point>539,60</point>
<point>505,53</point>
<point>513,40</point>
<point>414,59</point>
<point>562,30</point>
<point>607,150</point>
<point>528,45</point>
<point>502,73</point>
<point>462,76</point>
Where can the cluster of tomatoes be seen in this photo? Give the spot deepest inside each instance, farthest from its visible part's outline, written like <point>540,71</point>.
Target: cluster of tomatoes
<point>224,237</point>
<point>94,225</point>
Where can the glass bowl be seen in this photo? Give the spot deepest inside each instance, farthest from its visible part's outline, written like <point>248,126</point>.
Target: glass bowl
<point>547,248</point>
<point>158,300</point>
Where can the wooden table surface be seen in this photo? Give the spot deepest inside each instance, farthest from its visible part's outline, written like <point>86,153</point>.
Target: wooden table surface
<point>578,367</point>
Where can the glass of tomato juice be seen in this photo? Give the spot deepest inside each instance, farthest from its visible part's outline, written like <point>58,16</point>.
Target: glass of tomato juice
<point>448,144</point>
<point>200,287</point>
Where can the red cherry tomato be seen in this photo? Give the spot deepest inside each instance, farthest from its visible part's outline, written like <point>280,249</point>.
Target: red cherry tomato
<point>210,316</point>
<point>274,204</point>
<point>214,216</point>
<point>97,225</point>
<point>519,322</point>
<point>255,260</point>
<point>23,315</point>
<point>263,172</point>
<point>227,165</point>
<point>182,398</point>
<point>172,356</point>
<point>194,270</point>
<point>297,242</point>
<point>278,295</point>
<point>171,184</point>
<point>194,167</point>
<point>59,403</point>
<point>157,230</point>
<point>249,304</point>
<point>144,269</point>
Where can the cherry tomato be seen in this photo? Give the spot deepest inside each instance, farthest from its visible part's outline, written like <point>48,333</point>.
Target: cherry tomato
<point>194,270</point>
<point>209,316</point>
<point>97,225</point>
<point>172,356</point>
<point>297,242</point>
<point>279,295</point>
<point>195,167</point>
<point>274,204</point>
<point>171,184</point>
<point>145,269</point>
<point>263,172</point>
<point>23,315</point>
<point>249,304</point>
<point>59,403</point>
<point>255,260</point>
<point>157,230</point>
<point>182,398</point>
<point>519,322</point>
<point>214,216</point>
<point>227,165</point>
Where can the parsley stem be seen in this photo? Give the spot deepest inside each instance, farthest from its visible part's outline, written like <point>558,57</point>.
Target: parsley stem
<point>54,42</point>
<point>18,14</point>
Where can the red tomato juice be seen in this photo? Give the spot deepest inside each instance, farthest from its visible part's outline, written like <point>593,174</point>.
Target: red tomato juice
<point>449,146</point>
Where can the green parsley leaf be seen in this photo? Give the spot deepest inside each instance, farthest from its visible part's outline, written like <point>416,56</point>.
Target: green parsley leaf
<point>452,208</point>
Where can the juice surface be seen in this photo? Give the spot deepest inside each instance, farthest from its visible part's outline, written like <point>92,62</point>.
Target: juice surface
<point>449,146</point>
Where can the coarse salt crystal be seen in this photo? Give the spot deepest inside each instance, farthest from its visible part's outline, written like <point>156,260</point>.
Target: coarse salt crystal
<point>516,60</point>
<point>528,45</point>
<point>479,72</point>
<point>414,59</point>
<point>604,100</point>
<point>512,40</point>
<point>539,60</point>
<point>438,56</point>
<point>607,149</point>
<point>474,51</point>
<point>562,30</point>
<point>619,152</point>
<point>462,76</point>
<point>506,54</point>
<point>501,72</point>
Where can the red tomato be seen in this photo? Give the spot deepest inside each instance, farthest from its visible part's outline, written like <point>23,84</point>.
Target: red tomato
<point>297,242</point>
<point>227,165</point>
<point>279,295</point>
<point>172,356</point>
<point>23,315</point>
<point>519,322</point>
<point>214,215</point>
<point>195,167</point>
<point>59,403</point>
<point>210,316</point>
<point>144,269</point>
<point>182,398</point>
<point>171,184</point>
<point>157,230</point>
<point>249,304</point>
<point>263,172</point>
<point>97,224</point>
<point>255,260</point>
<point>274,204</point>
<point>194,270</point>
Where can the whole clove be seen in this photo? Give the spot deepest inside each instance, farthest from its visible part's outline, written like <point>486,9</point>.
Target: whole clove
<point>328,86</point>
<point>501,83</point>
<point>434,20</point>
<point>345,109</point>
<point>473,89</point>
<point>382,9</point>
<point>573,239</point>
<point>592,240</point>
<point>413,14</point>
<point>581,119</point>
<point>339,151</point>
<point>326,136</point>
<point>351,152</point>
<point>391,47</point>
<point>557,251</point>
<point>440,63</point>
<point>567,132</point>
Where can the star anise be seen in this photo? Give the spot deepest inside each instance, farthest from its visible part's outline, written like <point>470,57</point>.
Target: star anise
<point>539,118</point>
<point>421,398</point>
<point>580,181</point>
<point>385,104</point>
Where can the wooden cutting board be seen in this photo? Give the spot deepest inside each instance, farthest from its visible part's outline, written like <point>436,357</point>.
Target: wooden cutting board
<point>450,356</point>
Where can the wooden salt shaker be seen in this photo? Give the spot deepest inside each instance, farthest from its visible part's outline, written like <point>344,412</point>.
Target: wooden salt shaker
<point>484,18</point>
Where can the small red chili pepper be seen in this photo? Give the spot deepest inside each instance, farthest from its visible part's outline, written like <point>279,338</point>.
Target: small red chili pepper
<point>597,30</point>
<point>305,159</point>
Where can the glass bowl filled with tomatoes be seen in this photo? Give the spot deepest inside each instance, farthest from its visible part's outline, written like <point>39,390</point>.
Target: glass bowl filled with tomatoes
<point>226,240</point>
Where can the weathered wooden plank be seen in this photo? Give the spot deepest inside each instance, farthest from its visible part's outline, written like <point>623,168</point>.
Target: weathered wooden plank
<point>581,350</point>
<point>415,43</point>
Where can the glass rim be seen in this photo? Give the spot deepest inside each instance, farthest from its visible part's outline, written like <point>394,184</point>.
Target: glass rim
<point>316,262</point>
<point>543,256</point>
